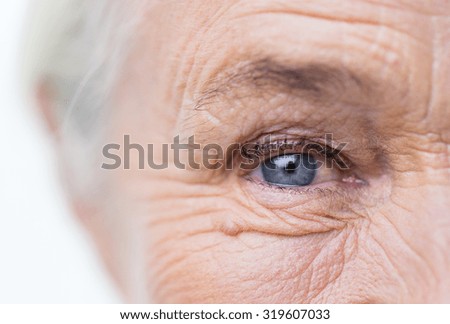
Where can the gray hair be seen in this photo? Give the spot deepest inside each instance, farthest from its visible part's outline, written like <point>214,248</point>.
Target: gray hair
<point>76,49</point>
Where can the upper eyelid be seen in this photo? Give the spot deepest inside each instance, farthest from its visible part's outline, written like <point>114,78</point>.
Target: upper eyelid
<point>266,150</point>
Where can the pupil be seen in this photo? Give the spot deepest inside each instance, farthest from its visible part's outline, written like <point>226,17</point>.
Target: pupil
<point>290,167</point>
<point>290,170</point>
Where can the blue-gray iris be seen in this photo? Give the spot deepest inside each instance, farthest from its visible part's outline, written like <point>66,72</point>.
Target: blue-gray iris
<point>290,169</point>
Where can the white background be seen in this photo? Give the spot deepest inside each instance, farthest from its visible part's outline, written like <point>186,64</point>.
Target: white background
<point>45,257</point>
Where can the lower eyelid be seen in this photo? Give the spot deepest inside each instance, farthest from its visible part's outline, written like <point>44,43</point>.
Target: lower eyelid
<point>289,215</point>
<point>329,195</point>
<point>320,189</point>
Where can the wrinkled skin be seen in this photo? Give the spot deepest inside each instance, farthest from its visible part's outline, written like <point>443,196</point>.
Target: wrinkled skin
<point>204,236</point>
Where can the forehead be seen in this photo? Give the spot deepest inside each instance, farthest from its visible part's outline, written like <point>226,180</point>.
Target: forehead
<point>388,30</point>
<point>401,47</point>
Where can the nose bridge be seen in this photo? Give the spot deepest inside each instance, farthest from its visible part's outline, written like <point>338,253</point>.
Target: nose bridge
<point>418,210</point>
<point>443,295</point>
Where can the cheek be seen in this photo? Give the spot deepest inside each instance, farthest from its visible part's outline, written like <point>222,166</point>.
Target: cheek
<point>204,243</point>
<point>199,266</point>
<point>194,255</point>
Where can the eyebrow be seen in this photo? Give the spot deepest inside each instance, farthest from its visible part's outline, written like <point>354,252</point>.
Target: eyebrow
<point>315,81</point>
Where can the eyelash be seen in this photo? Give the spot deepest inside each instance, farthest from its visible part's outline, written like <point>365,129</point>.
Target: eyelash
<point>289,190</point>
<point>264,150</point>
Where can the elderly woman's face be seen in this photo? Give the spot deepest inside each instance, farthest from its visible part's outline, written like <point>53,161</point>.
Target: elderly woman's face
<point>371,227</point>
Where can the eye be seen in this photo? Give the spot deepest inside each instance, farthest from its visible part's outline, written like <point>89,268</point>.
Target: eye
<point>298,164</point>
<point>296,169</point>
<point>289,170</point>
